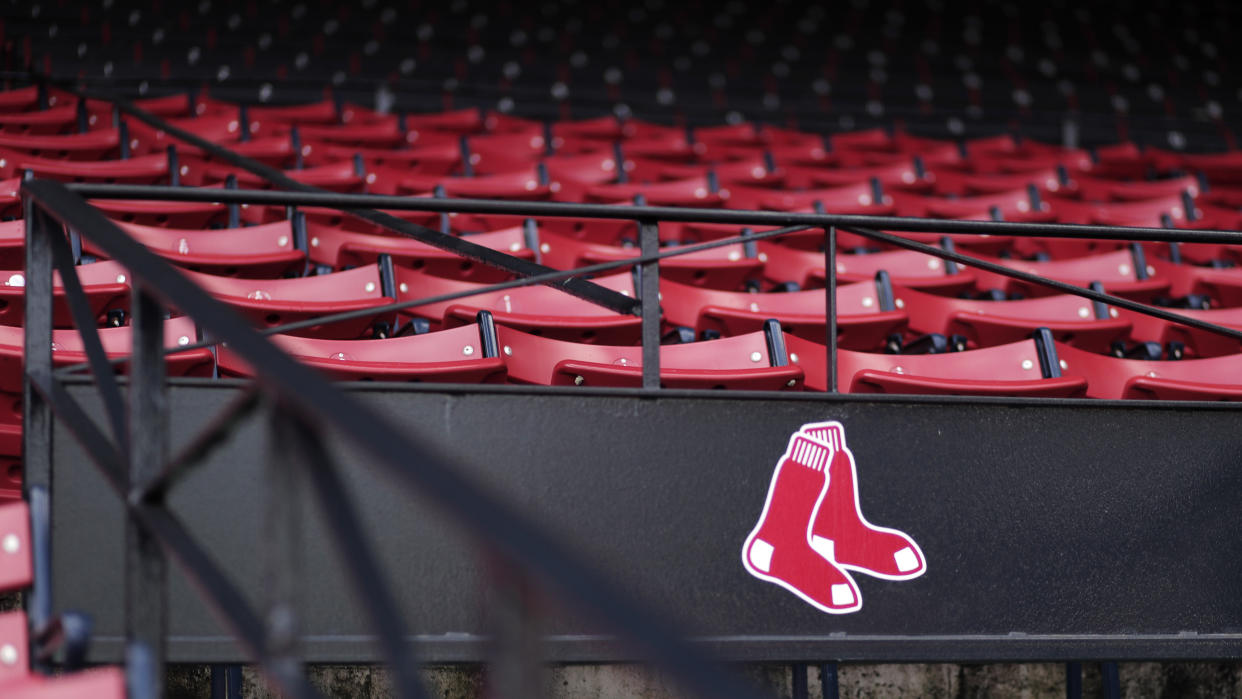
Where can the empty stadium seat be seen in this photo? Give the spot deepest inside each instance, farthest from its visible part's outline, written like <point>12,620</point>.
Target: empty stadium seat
<point>863,322</point>
<point>1071,319</point>
<point>68,348</point>
<point>457,355</point>
<point>1222,285</point>
<point>10,459</point>
<point>106,284</point>
<point>271,302</point>
<point>906,267</point>
<point>265,250</point>
<point>740,362</point>
<point>1198,343</point>
<point>1215,378</point>
<point>1014,369</point>
<point>725,267</point>
<point>335,247</point>
<point>1121,273</point>
<point>540,310</point>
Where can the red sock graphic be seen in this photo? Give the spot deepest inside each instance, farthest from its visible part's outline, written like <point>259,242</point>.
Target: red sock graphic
<point>839,531</point>
<point>779,549</point>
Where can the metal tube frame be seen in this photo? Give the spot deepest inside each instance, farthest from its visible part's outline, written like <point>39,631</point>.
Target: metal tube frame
<point>141,477</point>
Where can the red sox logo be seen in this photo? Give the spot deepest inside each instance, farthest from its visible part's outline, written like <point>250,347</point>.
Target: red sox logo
<point>812,531</point>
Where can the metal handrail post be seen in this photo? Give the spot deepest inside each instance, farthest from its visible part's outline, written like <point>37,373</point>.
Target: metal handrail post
<point>37,415</point>
<point>830,292</point>
<point>146,569</point>
<point>649,242</point>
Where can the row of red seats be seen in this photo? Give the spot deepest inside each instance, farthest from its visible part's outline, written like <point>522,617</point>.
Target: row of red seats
<point>353,149</point>
<point>767,359</point>
<point>701,291</point>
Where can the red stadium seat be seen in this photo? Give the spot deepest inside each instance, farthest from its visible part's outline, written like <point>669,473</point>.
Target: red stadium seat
<point>429,159</point>
<point>106,285</point>
<point>55,120</point>
<point>271,302</point>
<point>906,267</point>
<point>960,183</point>
<point>1013,205</point>
<point>12,244</point>
<point>456,121</point>
<point>20,99</point>
<point>265,250</point>
<point>91,145</point>
<point>862,322</point>
<point>524,185</point>
<point>538,309</point>
<point>1224,286</point>
<point>750,171</point>
<point>849,199</point>
<point>16,569</point>
<point>456,355</point>
<point>902,174</point>
<point>176,214</point>
<point>332,246</point>
<point>1198,343</point>
<point>1005,370</point>
<point>725,267</point>
<point>1104,189</point>
<point>693,191</point>
<point>218,127</point>
<point>321,112</point>
<point>1215,378</point>
<point>10,200</point>
<point>1117,271</point>
<point>1146,212</point>
<point>741,362</point>
<point>68,348</point>
<point>11,458</point>
<point>338,176</point>
<point>1071,319</point>
<point>142,169</point>
<point>343,137</point>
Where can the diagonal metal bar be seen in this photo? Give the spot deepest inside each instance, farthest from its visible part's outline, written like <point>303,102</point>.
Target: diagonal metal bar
<point>360,563</point>
<point>193,454</point>
<point>1050,283</point>
<point>738,217</point>
<point>578,287</point>
<point>105,378</point>
<point>229,604</point>
<point>83,428</point>
<point>232,608</point>
<point>406,460</point>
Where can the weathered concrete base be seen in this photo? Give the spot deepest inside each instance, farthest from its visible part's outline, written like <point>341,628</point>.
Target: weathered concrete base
<point>1025,681</point>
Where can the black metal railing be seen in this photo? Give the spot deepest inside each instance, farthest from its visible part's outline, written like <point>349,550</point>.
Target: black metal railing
<point>142,472</point>
<point>132,455</point>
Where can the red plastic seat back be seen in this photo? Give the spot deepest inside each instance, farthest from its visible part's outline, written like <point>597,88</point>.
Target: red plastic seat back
<point>16,568</point>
